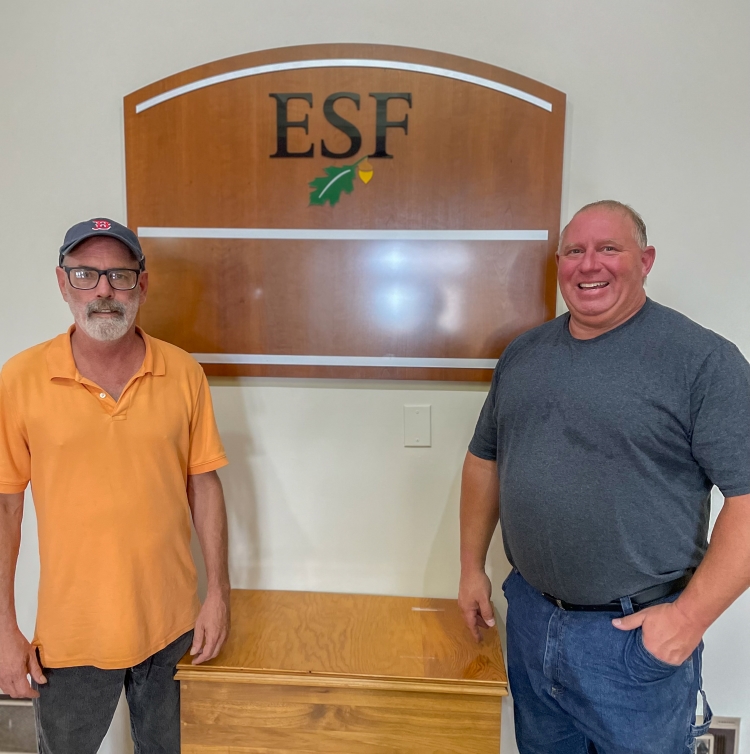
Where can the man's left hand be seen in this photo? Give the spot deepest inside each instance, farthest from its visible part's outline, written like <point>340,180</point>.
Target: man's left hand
<point>668,633</point>
<point>211,628</point>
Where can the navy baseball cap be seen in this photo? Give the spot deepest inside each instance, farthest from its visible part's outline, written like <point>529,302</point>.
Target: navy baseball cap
<point>102,226</point>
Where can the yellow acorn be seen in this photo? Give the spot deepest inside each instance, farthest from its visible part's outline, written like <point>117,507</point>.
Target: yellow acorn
<point>365,171</point>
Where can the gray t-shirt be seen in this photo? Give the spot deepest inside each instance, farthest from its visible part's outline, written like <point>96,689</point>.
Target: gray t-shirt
<point>607,450</point>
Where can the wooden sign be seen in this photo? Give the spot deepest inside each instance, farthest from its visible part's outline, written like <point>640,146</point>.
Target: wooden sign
<point>346,211</point>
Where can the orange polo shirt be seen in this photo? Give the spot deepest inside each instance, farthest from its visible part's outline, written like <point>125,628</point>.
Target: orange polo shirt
<point>117,580</point>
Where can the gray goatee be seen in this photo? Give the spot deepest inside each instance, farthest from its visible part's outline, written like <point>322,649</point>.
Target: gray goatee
<point>109,328</point>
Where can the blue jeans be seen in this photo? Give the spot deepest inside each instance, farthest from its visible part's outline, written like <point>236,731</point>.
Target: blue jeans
<point>581,686</point>
<point>76,705</point>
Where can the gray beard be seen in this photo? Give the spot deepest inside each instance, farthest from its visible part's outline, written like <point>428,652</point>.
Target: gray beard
<point>105,328</point>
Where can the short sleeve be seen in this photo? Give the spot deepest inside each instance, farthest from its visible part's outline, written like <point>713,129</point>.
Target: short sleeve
<point>206,450</point>
<point>15,457</point>
<point>720,415</point>
<point>484,442</point>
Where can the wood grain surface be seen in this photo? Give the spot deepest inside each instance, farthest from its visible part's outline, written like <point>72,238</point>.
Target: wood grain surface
<point>344,674</point>
<point>473,159</point>
<point>225,717</point>
<point>390,639</point>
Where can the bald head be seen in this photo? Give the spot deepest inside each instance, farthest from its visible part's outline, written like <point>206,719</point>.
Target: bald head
<point>639,227</point>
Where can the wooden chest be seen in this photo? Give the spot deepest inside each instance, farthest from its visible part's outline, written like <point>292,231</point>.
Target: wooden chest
<point>344,674</point>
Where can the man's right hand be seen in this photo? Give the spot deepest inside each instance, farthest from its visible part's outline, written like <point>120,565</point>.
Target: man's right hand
<point>17,661</point>
<point>474,592</point>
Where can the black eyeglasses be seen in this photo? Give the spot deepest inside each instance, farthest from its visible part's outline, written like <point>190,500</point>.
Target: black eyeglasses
<point>87,278</point>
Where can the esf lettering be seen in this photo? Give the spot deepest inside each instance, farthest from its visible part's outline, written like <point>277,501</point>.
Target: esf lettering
<point>382,124</point>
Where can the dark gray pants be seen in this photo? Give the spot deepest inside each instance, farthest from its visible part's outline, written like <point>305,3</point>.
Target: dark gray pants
<point>76,705</point>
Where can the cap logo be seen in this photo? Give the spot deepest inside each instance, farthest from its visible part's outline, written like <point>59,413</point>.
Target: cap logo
<point>101,225</point>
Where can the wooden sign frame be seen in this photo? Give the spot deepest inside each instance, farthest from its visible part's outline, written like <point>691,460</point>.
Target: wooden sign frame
<point>358,211</point>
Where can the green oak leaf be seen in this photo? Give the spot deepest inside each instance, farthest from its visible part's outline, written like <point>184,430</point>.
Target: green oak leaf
<point>328,188</point>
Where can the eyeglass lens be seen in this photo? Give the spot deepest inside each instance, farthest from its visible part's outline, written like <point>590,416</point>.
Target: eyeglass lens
<point>85,278</point>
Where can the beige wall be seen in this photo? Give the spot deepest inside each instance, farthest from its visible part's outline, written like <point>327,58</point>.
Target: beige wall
<point>321,492</point>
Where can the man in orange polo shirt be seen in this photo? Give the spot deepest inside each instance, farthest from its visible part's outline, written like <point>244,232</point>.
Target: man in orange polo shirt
<point>116,434</point>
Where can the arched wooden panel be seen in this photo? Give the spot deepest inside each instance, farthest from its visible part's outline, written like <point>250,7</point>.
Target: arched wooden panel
<point>417,249</point>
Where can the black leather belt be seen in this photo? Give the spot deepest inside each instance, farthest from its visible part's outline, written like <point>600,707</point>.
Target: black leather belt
<point>640,599</point>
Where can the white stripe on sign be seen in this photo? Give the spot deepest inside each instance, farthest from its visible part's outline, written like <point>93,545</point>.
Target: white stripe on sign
<point>393,65</point>
<point>342,361</point>
<point>322,234</point>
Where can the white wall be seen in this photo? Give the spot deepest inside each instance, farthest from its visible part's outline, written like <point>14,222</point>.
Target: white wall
<point>321,493</point>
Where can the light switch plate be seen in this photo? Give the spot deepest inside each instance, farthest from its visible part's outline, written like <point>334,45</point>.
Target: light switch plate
<point>418,426</point>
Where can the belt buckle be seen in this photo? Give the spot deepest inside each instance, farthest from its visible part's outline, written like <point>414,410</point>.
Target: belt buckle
<point>554,600</point>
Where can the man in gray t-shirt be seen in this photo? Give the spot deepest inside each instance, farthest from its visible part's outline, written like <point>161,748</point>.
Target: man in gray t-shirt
<point>603,434</point>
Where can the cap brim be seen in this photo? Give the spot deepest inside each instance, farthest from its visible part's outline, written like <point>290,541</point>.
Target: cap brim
<point>138,253</point>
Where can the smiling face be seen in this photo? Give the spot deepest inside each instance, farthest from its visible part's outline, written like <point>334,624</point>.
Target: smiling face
<point>601,269</point>
<point>103,313</point>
